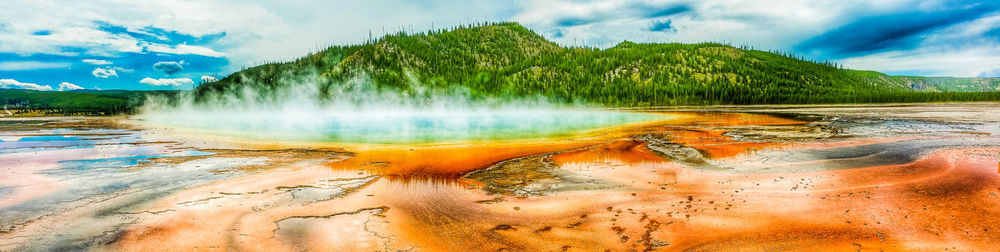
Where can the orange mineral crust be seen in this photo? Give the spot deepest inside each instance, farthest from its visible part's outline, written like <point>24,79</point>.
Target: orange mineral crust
<point>614,193</point>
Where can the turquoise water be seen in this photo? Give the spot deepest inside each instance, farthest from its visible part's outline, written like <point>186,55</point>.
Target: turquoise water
<point>410,126</point>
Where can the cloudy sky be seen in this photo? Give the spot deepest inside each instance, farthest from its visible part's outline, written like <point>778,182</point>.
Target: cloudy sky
<point>136,44</point>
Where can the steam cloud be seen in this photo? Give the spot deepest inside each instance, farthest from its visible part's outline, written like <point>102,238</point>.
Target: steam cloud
<point>304,108</point>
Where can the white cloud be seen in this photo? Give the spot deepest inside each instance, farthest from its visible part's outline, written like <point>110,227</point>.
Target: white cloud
<point>18,39</point>
<point>11,83</point>
<point>766,24</point>
<point>255,32</point>
<point>183,49</point>
<point>973,62</point>
<point>145,31</point>
<point>65,86</point>
<point>104,72</point>
<point>31,65</point>
<point>166,82</point>
<point>96,62</point>
<point>961,50</point>
<point>122,69</point>
<point>267,31</point>
<point>206,79</point>
<point>72,26</point>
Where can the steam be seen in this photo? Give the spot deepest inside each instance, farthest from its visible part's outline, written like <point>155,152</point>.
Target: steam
<point>308,108</point>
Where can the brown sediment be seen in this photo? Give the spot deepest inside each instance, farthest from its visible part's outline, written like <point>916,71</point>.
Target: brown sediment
<point>448,161</point>
<point>57,122</point>
<point>531,176</point>
<point>279,157</point>
<point>875,207</point>
<point>706,132</point>
<point>635,189</point>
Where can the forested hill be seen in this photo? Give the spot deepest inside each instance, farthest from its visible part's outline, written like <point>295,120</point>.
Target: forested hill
<point>77,102</point>
<point>507,59</point>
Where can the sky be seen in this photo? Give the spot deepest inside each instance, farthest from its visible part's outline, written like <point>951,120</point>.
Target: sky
<point>177,44</point>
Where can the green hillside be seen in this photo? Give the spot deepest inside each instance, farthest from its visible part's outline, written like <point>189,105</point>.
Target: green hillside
<point>508,60</point>
<point>86,102</point>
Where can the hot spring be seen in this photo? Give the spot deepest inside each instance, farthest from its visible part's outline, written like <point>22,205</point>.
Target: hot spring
<point>306,109</point>
<point>398,126</point>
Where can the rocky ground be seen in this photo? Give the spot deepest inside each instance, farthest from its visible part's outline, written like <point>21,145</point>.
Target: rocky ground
<point>893,177</point>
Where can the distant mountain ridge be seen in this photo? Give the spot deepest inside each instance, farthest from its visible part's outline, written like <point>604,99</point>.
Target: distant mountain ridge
<point>950,84</point>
